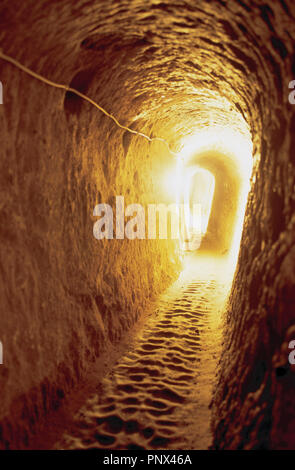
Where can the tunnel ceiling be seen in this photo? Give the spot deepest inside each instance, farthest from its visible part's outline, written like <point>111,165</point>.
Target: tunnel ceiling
<point>176,64</point>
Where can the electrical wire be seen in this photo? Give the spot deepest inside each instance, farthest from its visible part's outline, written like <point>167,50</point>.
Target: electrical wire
<point>67,88</point>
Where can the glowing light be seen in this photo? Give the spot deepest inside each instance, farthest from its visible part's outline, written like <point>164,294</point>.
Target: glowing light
<point>237,147</point>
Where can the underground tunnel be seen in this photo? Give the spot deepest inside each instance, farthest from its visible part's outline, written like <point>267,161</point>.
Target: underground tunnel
<point>137,342</point>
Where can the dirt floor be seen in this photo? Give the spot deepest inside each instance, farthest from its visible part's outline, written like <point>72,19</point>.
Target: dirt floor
<point>157,394</point>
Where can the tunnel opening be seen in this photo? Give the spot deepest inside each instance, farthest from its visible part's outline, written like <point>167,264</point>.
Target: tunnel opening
<point>196,195</point>
<point>208,81</point>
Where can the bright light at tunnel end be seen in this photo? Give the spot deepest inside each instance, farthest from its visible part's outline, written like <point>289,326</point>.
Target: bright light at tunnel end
<point>190,188</point>
<point>219,138</point>
<point>237,147</point>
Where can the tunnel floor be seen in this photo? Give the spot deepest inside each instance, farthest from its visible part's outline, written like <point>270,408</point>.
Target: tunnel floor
<point>157,395</point>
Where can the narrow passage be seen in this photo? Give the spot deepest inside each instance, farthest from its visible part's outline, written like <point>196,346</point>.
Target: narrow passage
<point>158,394</point>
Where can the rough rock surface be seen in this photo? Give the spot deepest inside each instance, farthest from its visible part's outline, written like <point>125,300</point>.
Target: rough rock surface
<point>165,68</point>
